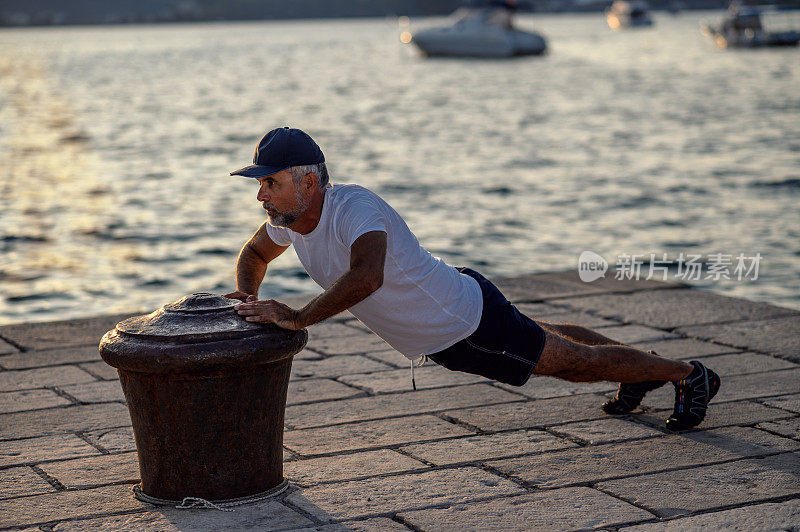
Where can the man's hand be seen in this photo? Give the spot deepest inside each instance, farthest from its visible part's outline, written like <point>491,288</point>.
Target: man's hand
<point>241,296</point>
<point>270,311</point>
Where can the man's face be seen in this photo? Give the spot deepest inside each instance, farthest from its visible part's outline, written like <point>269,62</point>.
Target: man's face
<point>281,198</point>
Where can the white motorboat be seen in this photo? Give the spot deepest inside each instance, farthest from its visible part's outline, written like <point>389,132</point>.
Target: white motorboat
<point>623,14</point>
<point>754,27</point>
<point>484,30</point>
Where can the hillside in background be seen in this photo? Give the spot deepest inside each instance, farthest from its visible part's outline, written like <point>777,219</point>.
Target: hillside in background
<point>46,12</point>
<point>23,12</point>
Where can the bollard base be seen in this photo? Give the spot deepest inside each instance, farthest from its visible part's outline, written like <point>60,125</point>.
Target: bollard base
<point>197,502</point>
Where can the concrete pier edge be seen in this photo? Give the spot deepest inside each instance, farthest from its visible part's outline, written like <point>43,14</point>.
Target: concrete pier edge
<point>365,452</point>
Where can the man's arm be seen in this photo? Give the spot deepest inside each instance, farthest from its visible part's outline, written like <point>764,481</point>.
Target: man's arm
<point>367,257</point>
<point>252,263</point>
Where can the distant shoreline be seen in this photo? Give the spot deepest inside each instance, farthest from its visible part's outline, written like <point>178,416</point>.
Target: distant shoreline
<point>50,18</point>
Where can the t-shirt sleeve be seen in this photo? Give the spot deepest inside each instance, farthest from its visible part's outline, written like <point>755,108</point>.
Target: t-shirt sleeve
<point>279,235</point>
<point>360,215</point>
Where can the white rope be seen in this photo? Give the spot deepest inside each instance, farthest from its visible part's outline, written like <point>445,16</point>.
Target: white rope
<point>198,502</point>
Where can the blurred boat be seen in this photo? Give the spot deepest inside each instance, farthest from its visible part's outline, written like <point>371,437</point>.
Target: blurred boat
<point>623,14</point>
<point>483,29</point>
<point>745,27</point>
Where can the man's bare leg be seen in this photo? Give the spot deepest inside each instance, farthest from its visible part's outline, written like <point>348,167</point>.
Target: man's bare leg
<point>596,357</point>
<point>578,333</point>
<point>601,359</point>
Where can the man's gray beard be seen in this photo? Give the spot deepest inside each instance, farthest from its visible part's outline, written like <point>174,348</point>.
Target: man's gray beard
<point>285,219</point>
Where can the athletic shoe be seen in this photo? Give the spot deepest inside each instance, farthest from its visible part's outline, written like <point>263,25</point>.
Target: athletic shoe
<point>692,395</point>
<point>629,395</point>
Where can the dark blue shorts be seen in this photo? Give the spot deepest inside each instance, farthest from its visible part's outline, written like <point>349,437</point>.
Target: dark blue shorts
<point>505,347</point>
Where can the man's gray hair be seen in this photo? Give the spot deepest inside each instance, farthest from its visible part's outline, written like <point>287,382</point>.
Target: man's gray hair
<point>319,169</point>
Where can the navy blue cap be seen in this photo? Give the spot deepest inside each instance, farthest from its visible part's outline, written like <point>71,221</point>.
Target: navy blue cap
<point>279,149</point>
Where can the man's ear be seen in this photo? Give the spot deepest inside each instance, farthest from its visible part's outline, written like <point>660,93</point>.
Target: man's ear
<point>310,180</point>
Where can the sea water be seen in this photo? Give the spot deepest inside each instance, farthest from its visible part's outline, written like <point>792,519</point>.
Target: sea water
<point>116,143</point>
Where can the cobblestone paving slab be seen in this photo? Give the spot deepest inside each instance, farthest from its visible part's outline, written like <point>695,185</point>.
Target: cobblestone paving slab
<point>364,408</point>
<point>30,400</point>
<point>787,402</point>
<point>34,450</point>
<point>334,329</point>
<point>547,387</point>
<point>41,377</point>
<point>744,441</point>
<point>590,464</point>
<point>95,470</point>
<point>399,380</point>
<point>534,310</point>
<point>609,283</point>
<point>61,333</point>
<point>562,509</point>
<point>114,440</point>
<point>349,466</point>
<point>349,500</point>
<point>375,524</point>
<point>289,455</point>
<point>775,336</point>
<point>17,481</point>
<point>526,289</point>
<point>61,420</point>
<point>101,370</point>
<point>631,334</point>
<point>6,348</point>
<point>768,516</point>
<point>363,343</point>
<point>390,357</point>
<point>685,348</point>
<point>50,357</point>
<point>335,366</point>
<point>367,434</point>
<point>787,427</point>
<point>305,354</point>
<point>735,413</point>
<point>95,392</point>
<point>268,515</point>
<point>68,505</point>
<point>708,487</point>
<point>531,414</point>
<point>487,447</point>
<point>313,390</point>
<point>667,309</point>
<point>549,286</point>
<point>578,318</point>
<point>606,430</point>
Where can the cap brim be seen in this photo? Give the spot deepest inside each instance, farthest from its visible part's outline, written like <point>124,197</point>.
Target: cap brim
<point>257,170</point>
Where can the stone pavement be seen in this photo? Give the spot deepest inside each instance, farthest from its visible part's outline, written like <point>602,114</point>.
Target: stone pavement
<point>365,452</point>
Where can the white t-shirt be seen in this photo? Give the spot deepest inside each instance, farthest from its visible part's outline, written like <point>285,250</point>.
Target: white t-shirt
<point>424,304</point>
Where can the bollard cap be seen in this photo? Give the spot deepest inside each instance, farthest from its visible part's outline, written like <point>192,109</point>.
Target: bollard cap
<point>195,318</point>
<point>197,333</point>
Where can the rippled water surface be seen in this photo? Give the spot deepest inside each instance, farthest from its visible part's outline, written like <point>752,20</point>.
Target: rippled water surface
<point>116,143</point>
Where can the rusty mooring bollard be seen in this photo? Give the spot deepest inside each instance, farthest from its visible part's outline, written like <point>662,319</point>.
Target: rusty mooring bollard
<point>206,392</point>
